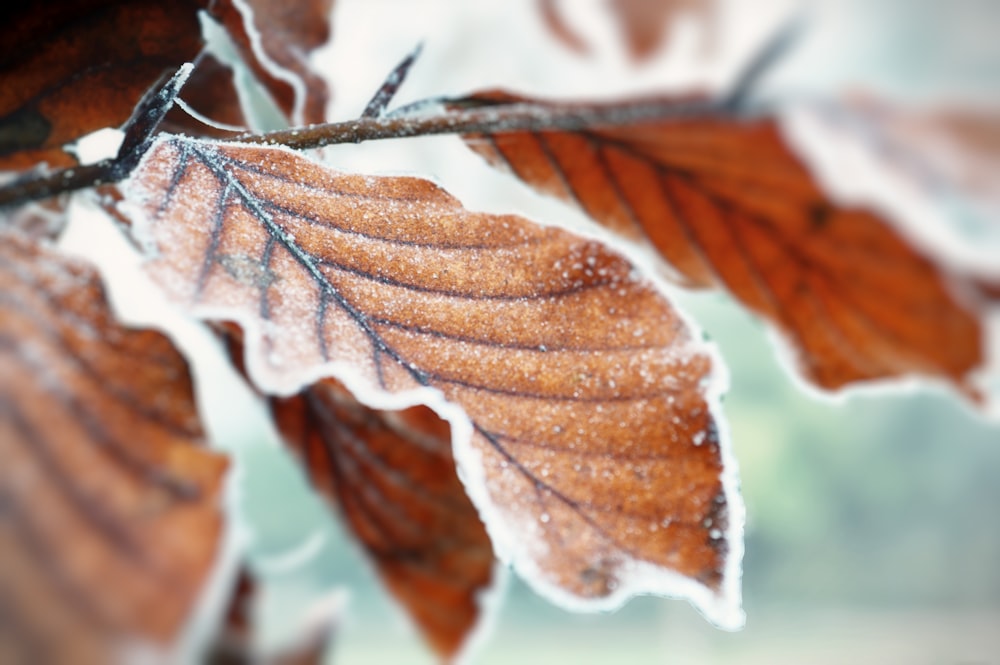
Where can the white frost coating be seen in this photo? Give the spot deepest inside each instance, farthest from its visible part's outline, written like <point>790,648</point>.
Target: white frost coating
<point>205,120</point>
<point>489,601</point>
<point>95,146</point>
<point>296,556</point>
<point>273,68</point>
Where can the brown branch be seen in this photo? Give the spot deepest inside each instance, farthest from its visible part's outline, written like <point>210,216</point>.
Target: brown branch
<point>485,119</point>
<point>462,116</point>
<point>476,119</point>
<point>59,182</point>
<point>383,96</point>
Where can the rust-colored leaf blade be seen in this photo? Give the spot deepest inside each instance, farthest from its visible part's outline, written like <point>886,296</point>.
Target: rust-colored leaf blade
<point>109,517</point>
<point>275,38</point>
<point>70,67</point>
<point>727,203</point>
<point>593,455</point>
<point>392,476</point>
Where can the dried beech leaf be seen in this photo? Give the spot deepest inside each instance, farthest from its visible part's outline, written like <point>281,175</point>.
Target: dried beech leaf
<point>275,38</point>
<point>70,67</point>
<point>594,457</point>
<point>726,203</point>
<point>392,476</point>
<point>109,516</point>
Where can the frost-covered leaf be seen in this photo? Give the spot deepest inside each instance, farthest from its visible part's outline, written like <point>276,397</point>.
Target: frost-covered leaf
<point>392,476</point>
<point>275,38</point>
<point>727,203</point>
<point>70,67</point>
<point>109,517</point>
<point>594,456</point>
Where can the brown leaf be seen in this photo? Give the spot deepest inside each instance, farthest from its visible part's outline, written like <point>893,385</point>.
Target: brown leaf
<point>288,32</point>
<point>392,476</point>
<point>593,455</point>
<point>109,516</point>
<point>70,67</point>
<point>726,203</point>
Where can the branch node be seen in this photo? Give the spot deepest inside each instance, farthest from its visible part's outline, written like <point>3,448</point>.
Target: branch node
<point>376,107</point>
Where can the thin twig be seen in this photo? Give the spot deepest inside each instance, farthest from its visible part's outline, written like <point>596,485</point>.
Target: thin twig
<point>764,61</point>
<point>380,101</point>
<point>60,182</point>
<point>138,131</point>
<point>146,117</point>
<point>462,116</point>
<point>487,119</point>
